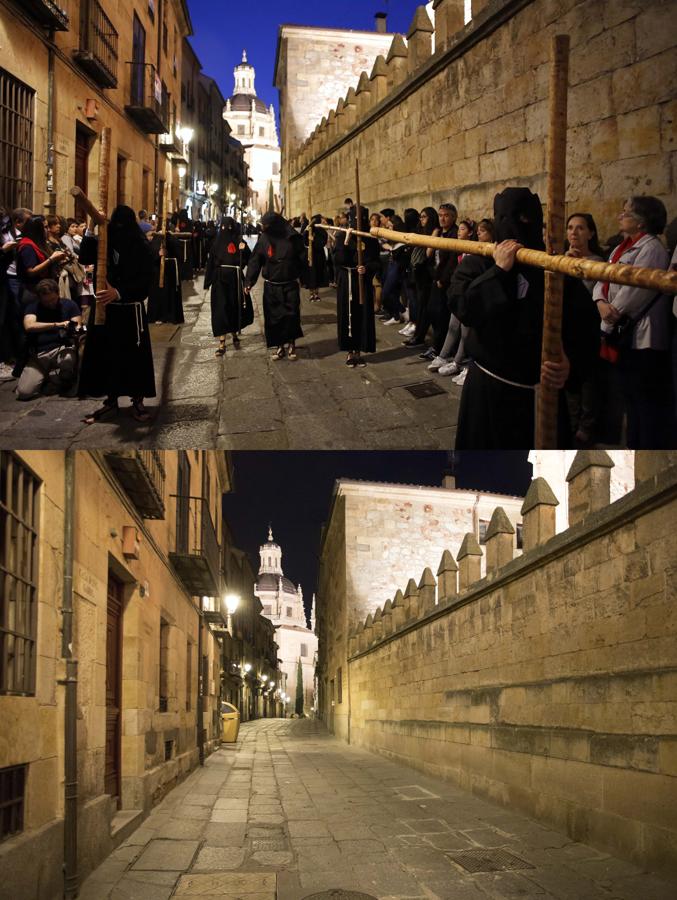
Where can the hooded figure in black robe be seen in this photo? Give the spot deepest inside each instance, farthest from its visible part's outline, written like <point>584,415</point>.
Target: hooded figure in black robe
<point>317,276</point>
<point>355,321</point>
<point>280,256</point>
<point>232,309</point>
<point>504,313</point>
<point>184,235</point>
<point>165,304</point>
<point>118,359</point>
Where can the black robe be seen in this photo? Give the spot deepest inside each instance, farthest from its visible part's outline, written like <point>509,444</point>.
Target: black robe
<point>184,240</point>
<point>355,322</point>
<point>118,358</point>
<point>504,312</point>
<point>317,276</point>
<point>232,309</point>
<point>165,304</point>
<point>281,258</point>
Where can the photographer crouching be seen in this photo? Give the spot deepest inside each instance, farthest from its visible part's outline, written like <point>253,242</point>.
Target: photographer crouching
<point>53,326</point>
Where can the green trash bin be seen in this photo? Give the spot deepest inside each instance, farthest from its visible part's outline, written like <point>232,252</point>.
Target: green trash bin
<point>230,723</point>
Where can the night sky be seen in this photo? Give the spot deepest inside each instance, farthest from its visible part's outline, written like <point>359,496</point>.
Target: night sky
<point>293,490</point>
<point>222,30</point>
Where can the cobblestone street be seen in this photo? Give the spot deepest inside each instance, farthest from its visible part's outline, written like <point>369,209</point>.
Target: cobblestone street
<point>289,811</point>
<point>248,401</point>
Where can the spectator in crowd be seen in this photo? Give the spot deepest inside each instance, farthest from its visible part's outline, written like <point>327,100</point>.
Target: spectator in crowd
<point>50,322</point>
<point>422,262</point>
<point>12,336</point>
<point>144,224</point>
<point>445,264</point>
<point>392,287</point>
<point>34,259</point>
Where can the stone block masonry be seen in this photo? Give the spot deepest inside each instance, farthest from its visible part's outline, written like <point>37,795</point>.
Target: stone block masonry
<point>549,685</point>
<point>470,119</point>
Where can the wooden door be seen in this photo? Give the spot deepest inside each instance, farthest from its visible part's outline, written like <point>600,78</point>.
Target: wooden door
<point>138,60</point>
<point>331,705</point>
<point>113,687</point>
<point>82,143</point>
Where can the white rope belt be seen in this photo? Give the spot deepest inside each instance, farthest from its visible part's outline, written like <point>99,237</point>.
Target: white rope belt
<point>526,387</point>
<point>268,281</point>
<point>350,281</point>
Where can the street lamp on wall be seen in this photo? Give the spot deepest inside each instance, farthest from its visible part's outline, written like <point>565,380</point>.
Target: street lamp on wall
<point>232,601</point>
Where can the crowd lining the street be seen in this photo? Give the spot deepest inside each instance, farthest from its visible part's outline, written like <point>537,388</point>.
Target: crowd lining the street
<point>477,320</point>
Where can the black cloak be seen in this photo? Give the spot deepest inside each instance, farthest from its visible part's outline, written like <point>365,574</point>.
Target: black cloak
<point>232,309</point>
<point>281,257</point>
<point>317,276</point>
<point>355,322</point>
<point>118,359</point>
<point>165,304</point>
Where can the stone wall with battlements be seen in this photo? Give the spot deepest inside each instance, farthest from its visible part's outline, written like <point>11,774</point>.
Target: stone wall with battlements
<point>550,684</point>
<point>469,119</point>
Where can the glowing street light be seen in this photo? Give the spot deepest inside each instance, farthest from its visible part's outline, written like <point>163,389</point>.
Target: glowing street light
<point>182,171</point>
<point>232,602</point>
<point>185,134</point>
<point>264,678</point>
<point>247,668</point>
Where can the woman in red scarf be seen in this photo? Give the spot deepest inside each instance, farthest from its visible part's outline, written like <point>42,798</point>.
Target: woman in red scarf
<point>33,260</point>
<point>644,359</point>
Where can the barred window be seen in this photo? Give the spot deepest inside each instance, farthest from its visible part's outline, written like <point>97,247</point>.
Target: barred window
<point>18,575</point>
<point>16,142</point>
<point>12,792</point>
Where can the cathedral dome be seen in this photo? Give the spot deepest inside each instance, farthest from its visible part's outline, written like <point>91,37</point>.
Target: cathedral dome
<point>243,103</point>
<point>269,582</point>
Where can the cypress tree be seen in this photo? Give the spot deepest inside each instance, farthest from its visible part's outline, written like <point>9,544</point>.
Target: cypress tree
<point>299,688</point>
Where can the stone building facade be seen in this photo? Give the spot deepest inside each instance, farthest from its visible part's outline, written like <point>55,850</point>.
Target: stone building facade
<point>113,63</point>
<point>253,124</point>
<point>376,536</point>
<point>471,118</point>
<point>314,67</point>
<point>282,603</point>
<point>143,643</point>
<point>549,684</point>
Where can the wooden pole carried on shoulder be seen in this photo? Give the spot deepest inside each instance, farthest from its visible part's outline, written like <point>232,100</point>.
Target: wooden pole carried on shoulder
<point>358,222</point>
<point>102,247</point>
<point>547,399</point>
<point>163,245</point>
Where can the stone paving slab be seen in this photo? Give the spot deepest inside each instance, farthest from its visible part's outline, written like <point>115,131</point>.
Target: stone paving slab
<point>203,401</point>
<point>382,830</point>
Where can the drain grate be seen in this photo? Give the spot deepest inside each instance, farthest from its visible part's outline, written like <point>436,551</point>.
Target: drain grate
<point>491,859</point>
<point>269,844</point>
<point>423,389</point>
<point>340,894</point>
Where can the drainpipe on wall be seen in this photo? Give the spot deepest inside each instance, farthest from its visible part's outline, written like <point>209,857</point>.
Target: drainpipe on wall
<point>200,667</point>
<point>51,202</point>
<point>70,824</point>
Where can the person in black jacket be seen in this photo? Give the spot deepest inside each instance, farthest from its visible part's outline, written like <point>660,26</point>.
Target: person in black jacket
<point>355,321</point>
<point>501,302</point>
<point>317,276</point>
<point>118,358</point>
<point>281,257</point>
<point>232,308</point>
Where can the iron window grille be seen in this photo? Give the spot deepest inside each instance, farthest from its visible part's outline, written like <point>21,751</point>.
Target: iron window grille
<point>17,101</point>
<point>12,794</point>
<point>18,575</point>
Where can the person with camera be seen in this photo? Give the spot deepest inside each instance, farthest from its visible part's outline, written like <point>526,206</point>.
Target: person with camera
<point>51,324</point>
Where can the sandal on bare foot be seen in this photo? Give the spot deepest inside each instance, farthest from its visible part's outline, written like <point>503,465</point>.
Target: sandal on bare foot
<point>108,410</point>
<point>279,353</point>
<point>139,411</point>
<point>236,341</point>
<point>222,347</point>
<point>291,353</point>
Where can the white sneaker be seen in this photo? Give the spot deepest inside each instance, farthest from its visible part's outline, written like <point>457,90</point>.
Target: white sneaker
<point>5,372</point>
<point>437,363</point>
<point>392,321</point>
<point>460,378</point>
<point>411,329</point>
<point>450,368</point>
<point>404,330</point>
<point>405,315</point>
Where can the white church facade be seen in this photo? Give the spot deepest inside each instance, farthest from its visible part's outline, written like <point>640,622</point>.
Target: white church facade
<point>254,126</point>
<point>282,603</point>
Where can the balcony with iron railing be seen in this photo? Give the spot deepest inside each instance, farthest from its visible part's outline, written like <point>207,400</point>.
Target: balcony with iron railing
<point>195,552</point>
<point>148,99</point>
<point>47,12</point>
<point>98,50</point>
<point>142,476</point>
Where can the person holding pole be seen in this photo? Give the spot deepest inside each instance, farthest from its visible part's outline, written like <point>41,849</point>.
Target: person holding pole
<point>231,308</point>
<point>355,319</point>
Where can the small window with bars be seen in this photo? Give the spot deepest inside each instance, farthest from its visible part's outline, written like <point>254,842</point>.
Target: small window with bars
<point>17,102</point>
<point>18,575</point>
<point>12,794</point>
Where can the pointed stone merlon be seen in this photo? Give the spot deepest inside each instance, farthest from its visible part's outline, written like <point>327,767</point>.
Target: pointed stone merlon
<point>379,79</point>
<point>331,127</point>
<point>449,19</point>
<point>469,562</point>
<point>363,94</point>
<point>377,627</point>
<point>388,618</point>
<point>538,515</point>
<point>367,633</point>
<point>322,135</point>
<point>397,61</point>
<point>420,39</point>
<point>500,540</point>
<point>399,611</point>
<point>589,484</point>
<point>350,109</point>
<point>353,643</point>
<point>650,462</point>
<point>447,578</point>
<point>426,592</point>
<point>411,600</point>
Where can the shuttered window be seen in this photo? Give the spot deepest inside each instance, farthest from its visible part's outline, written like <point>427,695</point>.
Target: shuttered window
<point>17,103</point>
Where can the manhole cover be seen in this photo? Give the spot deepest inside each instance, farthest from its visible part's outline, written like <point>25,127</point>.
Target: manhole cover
<point>340,894</point>
<point>492,859</point>
<point>268,844</point>
<point>424,389</point>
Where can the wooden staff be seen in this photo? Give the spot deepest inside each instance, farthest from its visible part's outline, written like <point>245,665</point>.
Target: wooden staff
<point>310,231</point>
<point>358,222</point>
<point>102,246</point>
<point>163,245</point>
<point>657,280</point>
<point>551,350</point>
